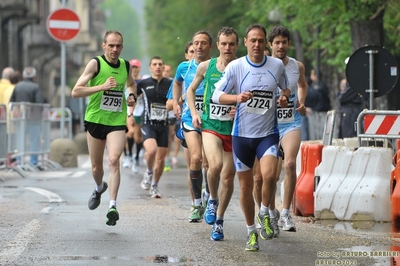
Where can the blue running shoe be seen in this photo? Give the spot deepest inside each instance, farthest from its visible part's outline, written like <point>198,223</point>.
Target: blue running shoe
<point>217,233</point>
<point>211,212</point>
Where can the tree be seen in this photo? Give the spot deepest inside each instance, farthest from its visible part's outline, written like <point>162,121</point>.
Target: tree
<point>324,33</point>
<point>123,18</point>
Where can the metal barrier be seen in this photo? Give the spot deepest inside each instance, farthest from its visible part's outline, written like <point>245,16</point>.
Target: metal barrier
<point>29,135</point>
<point>329,127</point>
<point>3,136</point>
<point>55,117</point>
<point>378,124</point>
<point>316,122</point>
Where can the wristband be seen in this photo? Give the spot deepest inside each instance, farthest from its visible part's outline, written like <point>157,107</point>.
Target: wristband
<point>134,96</point>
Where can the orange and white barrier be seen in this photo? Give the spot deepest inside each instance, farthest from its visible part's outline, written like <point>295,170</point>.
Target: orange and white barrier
<point>303,198</point>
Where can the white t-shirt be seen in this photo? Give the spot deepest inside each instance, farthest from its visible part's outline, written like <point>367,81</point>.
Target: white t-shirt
<point>257,117</point>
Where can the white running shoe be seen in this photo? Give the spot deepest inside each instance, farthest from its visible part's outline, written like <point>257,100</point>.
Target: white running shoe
<point>174,161</point>
<point>127,162</point>
<point>154,192</point>
<point>135,167</point>
<point>146,182</point>
<point>287,223</point>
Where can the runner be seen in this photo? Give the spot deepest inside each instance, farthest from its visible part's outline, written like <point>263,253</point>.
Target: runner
<point>202,43</point>
<point>155,128</point>
<point>104,80</point>
<point>216,125</point>
<point>254,79</point>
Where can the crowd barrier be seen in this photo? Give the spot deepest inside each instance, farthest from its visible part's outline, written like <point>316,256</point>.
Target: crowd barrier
<point>3,136</point>
<point>309,158</point>
<point>28,138</point>
<point>55,120</point>
<point>359,183</point>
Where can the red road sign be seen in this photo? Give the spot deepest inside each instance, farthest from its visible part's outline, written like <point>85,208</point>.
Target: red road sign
<point>63,24</point>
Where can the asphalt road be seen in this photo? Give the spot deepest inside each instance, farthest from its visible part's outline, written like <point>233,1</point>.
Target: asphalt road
<point>44,220</point>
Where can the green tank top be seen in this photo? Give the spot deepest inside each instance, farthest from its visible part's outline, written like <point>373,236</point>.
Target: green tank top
<point>215,117</point>
<point>108,107</point>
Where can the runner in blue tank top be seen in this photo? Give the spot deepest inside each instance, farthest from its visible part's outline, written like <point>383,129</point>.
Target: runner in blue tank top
<point>189,55</point>
<point>202,43</point>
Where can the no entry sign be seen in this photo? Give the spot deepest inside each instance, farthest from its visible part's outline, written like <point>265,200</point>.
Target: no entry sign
<point>63,24</point>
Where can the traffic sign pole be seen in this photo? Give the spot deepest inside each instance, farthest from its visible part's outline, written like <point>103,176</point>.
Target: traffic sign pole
<point>63,25</point>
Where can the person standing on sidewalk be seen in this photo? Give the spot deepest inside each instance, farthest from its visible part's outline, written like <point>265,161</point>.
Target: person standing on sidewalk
<point>155,129</point>
<point>104,80</point>
<point>255,79</point>
<point>29,91</point>
<point>216,125</point>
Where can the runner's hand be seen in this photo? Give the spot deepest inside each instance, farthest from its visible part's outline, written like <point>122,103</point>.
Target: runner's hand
<point>196,121</point>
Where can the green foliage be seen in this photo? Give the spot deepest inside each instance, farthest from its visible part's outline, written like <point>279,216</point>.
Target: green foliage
<point>171,24</point>
<point>123,18</point>
<point>323,26</point>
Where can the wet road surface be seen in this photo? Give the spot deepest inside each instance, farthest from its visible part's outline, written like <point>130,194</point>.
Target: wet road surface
<point>44,220</point>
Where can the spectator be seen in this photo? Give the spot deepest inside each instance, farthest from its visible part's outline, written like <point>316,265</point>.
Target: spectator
<point>5,81</point>
<point>318,100</point>
<point>29,91</point>
<point>351,104</point>
<point>14,79</point>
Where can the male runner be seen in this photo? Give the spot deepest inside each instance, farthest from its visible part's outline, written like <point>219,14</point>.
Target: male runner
<point>255,79</point>
<point>155,128</point>
<point>216,125</point>
<point>202,43</point>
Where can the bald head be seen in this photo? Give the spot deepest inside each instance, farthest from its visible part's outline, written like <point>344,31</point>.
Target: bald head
<point>7,72</point>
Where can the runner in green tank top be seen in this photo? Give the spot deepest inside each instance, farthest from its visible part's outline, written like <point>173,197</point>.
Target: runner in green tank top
<point>216,125</point>
<point>215,117</point>
<point>103,80</point>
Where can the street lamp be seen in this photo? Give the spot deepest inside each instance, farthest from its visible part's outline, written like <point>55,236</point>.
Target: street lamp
<point>275,15</point>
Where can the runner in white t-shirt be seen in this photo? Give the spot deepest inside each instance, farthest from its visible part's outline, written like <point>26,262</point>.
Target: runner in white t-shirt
<point>255,79</point>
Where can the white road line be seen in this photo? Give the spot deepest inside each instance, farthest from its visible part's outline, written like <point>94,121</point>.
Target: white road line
<point>12,251</point>
<point>52,197</point>
<point>87,164</point>
<point>78,174</point>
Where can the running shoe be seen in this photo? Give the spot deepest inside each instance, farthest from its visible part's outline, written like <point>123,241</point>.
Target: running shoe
<point>217,232</point>
<point>154,192</point>
<point>167,166</point>
<point>112,216</point>
<point>204,198</point>
<point>287,223</point>
<point>174,161</point>
<point>127,162</point>
<point>266,231</point>
<point>274,223</point>
<point>196,214</point>
<point>146,180</point>
<point>95,199</point>
<point>211,212</point>
<point>135,166</point>
<point>252,242</point>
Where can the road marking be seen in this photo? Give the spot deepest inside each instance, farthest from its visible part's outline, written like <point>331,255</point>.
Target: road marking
<point>12,251</point>
<point>52,197</point>
<point>78,174</point>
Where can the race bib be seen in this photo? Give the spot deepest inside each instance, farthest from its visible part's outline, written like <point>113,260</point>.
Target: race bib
<point>158,111</point>
<point>286,115</point>
<point>260,103</point>
<point>220,112</point>
<point>199,104</point>
<point>112,101</point>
